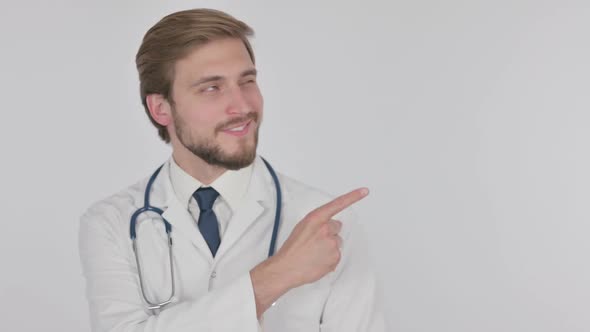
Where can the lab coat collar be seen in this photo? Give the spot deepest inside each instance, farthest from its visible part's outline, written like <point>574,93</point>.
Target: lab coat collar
<point>259,197</point>
<point>231,185</point>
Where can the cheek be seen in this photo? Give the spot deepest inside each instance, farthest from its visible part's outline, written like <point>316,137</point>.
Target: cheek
<point>255,100</point>
<point>199,113</point>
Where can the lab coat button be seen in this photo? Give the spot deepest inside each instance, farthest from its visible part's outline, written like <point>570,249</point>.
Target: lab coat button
<point>213,275</point>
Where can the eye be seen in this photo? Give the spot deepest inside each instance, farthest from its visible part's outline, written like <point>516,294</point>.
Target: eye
<point>210,88</point>
<point>249,81</point>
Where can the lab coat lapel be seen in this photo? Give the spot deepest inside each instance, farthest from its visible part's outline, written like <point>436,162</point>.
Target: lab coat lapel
<point>259,198</point>
<point>256,201</point>
<point>183,223</point>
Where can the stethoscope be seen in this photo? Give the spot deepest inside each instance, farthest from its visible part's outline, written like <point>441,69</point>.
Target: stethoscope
<point>148,208</point>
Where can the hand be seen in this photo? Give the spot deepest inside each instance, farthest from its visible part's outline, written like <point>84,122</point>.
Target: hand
<point>311,251</point>
<point>313,248</point>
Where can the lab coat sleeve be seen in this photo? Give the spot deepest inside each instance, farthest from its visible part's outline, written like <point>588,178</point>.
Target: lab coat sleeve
<point>353,303</point>
<point>114,294</point>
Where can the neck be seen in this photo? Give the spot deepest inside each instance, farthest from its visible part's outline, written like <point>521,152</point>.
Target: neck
<point>197,167</point>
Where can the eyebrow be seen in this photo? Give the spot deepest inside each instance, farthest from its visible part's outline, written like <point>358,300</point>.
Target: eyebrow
<point>249,72</point>
<point>207,79</point>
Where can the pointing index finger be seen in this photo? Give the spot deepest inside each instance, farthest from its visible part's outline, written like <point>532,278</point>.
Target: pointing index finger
<point>340,203</point>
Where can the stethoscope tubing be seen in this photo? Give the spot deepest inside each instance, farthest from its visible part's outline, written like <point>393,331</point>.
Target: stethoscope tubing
<point>148,208</point>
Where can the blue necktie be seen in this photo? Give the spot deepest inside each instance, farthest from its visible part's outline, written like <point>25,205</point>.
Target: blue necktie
<point>208,224</point>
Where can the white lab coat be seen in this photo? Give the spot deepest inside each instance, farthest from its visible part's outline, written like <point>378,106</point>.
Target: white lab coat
<point>217,294</point>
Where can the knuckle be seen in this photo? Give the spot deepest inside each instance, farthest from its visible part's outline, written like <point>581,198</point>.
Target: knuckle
<point>334,243</point>
<point>305,221</point>
<point>325,230</point>
<point>330,226</point>
<point>314,215</point>
<point>310,215</point>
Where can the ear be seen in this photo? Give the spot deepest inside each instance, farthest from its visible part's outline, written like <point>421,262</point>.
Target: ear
<point>159,109</point>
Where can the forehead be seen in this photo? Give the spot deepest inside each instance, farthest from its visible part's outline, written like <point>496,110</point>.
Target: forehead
<point>224,57</point>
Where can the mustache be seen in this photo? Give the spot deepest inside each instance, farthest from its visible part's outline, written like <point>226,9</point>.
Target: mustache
<point>250,116</point>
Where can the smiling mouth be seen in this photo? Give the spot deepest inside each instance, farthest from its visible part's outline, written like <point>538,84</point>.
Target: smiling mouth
<point>238,130</point>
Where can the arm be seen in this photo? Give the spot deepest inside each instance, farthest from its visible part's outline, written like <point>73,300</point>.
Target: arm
<point>310,252</point>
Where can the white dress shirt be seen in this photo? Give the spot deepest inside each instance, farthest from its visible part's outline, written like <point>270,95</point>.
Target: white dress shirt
<point>231,186</point>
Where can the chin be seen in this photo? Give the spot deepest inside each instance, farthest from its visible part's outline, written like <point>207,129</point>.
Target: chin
<point>238,161</point>
<point>238,157</point>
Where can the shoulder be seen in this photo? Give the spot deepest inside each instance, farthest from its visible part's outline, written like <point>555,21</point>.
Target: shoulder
<point>113,212</point>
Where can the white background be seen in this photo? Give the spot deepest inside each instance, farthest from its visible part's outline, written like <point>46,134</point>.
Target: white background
<point>468,120</point>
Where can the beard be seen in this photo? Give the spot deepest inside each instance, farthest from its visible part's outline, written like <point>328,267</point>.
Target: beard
<point>210,151</point>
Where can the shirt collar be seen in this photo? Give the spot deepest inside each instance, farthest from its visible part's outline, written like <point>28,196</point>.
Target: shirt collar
<point>231,185</point>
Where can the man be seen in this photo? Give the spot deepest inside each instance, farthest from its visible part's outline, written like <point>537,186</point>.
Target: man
<point>198,87</point>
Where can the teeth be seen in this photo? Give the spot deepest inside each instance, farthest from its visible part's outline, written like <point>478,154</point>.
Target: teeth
<point>238,128</point>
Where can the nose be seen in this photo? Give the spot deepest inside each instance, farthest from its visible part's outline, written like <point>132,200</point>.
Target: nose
<point>238,102</point>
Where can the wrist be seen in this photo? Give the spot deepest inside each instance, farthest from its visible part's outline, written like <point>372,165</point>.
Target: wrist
<point>273,276</point>
<point>270,281</point>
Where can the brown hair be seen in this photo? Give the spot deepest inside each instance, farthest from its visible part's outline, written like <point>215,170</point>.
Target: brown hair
<point>171,39</point>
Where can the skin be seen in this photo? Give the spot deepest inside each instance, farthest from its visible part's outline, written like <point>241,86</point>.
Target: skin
<point>215,89</point>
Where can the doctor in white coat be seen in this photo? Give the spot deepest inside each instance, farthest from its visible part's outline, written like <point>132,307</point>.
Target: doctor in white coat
<point>198,86</point>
